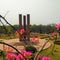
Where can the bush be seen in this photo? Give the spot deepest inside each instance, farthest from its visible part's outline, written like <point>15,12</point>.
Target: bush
<point>31,49</point>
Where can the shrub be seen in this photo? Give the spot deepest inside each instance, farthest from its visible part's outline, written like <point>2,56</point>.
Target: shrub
<point>31,49</point>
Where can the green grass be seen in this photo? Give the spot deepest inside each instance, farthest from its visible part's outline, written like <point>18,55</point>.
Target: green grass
<point>6,37</point>
<point>56,52</point>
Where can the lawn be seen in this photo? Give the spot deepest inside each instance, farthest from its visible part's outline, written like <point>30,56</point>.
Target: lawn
<point>56,52</point>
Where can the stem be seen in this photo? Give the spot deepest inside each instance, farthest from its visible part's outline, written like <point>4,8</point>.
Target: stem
<point>13,48</point>
<point>7,22</point>
<point>3,26</point>
<point>40,49</point>
<point>53,48</point>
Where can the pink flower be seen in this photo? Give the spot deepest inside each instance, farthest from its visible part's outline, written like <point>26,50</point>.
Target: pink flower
<point>33,38</point>
<point>58,26</point>
<point>46,58</point>
<point>36,40</point>
<point>53,34</point>
<point>8,49</point>
<point>20,32</point>
<point>28,54</point>
<point>38,57</point>
<point>20,57</point>
<point>22,51</point>
<point>11,56</point>
<point>17,33</point>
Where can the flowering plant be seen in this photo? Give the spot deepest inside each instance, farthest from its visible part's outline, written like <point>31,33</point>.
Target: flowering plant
<point>35,40</point>
<point>55,34</point>
<point>11,56</point>
<point>58,26</point>
<point>7,49</point>
<point>20,32</point>
<point>28,56</point>
<point>25,55</point>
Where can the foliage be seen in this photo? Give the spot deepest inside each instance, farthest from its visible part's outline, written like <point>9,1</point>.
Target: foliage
<point>58,27</point>
<point>48,52</point>
<point>8,29</point>
<point>42,28</point>
<point>2,55</point>
<point>31,49</point>
<point>33,28</point>
<point>11,36</point>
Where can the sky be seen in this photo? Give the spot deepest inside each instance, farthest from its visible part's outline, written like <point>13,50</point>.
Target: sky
<point>41,11</point>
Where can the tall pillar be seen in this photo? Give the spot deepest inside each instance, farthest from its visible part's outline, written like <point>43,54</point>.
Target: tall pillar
<point>24,24</point>
<point>20,25</point>
<point>28,26</point>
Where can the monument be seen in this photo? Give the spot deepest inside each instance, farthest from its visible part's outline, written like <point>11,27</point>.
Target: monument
<point>24,23</point>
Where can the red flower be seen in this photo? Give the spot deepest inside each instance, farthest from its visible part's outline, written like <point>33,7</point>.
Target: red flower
<point>20,57</point>
<point>38,57</point>
<point>53,34</point>
<point>20,32</point>
<point>8,49</point>
<point>11,56</point>
<point>58,26</point>
<point>28,55</point>
<point>17,33</point>
<point>36,40</point>
<point>46,58</point>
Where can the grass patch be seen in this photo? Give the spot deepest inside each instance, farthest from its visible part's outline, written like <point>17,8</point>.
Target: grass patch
<point>56,52</point>
<point>12,36</point>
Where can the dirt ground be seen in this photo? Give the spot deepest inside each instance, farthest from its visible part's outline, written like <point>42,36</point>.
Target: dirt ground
<point>20,45</point>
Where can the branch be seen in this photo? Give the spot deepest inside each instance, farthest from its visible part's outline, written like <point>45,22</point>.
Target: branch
<point>13,48</point>
<point>40,49</point>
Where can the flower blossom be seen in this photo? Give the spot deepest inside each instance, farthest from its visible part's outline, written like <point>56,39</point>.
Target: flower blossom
<point>7,49</point>
<point>28,54</point>
<point>46,58</point>
<point>17,33</point>
<point>58,26</point>
<point>38,57</point>
<point>34,39</point>
<point>22,51</point>
<point>11,56</point>
<point>53,34</point>
<point>20,32</point>
<point>20,57</point>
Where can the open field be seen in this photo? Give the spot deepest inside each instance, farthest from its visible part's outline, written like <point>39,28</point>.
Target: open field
<point>46,52</point>
<point>56,52</point>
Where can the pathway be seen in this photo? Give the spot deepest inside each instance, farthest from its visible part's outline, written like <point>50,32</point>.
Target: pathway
<point>19,45</point>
